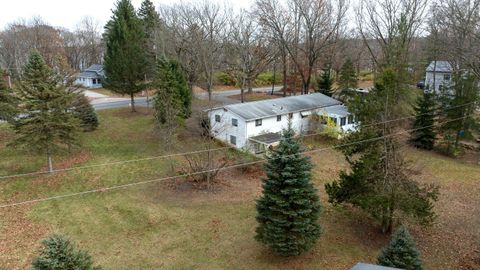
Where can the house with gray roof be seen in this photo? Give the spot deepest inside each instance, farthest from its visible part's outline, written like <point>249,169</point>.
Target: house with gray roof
<point>438,74</point>
<point>255,126</point>
<point>92,77</point>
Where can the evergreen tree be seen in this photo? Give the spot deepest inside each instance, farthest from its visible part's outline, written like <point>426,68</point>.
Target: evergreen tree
<point>47,123</point>
<point>401,252</point>
<point>8,102</point>
<point>423,134</point>
<point>58,253</point>
<point>150,20</point>
<point>172,90</point>
<point>125,58</point>
<point>461,100</point>
<point>378,180</point>
<point>325,82</point>
<point>348,77</point>
<point>84,111</point>
<point>289,208</point>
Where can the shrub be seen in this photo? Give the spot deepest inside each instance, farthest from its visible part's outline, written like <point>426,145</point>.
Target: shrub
<point>225,78</point>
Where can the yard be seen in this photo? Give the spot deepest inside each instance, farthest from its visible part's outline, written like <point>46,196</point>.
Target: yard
<point>171,225</point>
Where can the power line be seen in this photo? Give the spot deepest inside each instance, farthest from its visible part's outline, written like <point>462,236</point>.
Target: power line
<point>212,170</point>
<point>193,152</point>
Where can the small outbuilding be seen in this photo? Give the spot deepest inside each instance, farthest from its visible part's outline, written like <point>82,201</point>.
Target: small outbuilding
<point>92,77</point>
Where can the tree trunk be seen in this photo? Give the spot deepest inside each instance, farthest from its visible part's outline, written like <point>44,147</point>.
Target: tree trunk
<point>132,102</point>
<point>249,85</point>
<point>49,160</point>
<point>284,62</point>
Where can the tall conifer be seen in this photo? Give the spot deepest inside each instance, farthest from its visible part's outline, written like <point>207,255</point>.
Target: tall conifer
<point>47,124</point>
<point>401,252</point>
<point>423,134</point>
<point>125,58</point>
<point>288,211</point>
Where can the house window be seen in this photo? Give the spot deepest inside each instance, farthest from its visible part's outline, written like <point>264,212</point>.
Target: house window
<point>290,115</point>
<point>98,81</point>
<point>258,122</point>
<point>334,120</point>
<point>233,140</point>
<point>343,121</point>
<point>446,77</point>
<point>279,118</point>
<point>350,119</point>
<point>234,122</point>
<point>94,81</point>
<point>217,118</point>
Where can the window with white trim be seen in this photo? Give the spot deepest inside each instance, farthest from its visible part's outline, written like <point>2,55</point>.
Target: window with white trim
<point>233,140</point>
<point>258,122</point>
<point>217,118</point>
<point>234,122</point>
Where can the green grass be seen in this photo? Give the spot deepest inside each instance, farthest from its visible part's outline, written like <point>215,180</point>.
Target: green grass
<point>160,226</point>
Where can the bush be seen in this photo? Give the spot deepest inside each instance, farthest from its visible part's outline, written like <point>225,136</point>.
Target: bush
<point>266,78</point>
<point>225,78</point>
<point>58,253</point>
<point>84,111</point>
<point>401,252</point>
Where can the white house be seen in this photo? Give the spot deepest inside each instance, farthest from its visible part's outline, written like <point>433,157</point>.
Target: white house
<point>257,125</point>
<point>91,77</point>
<point>438,75</point>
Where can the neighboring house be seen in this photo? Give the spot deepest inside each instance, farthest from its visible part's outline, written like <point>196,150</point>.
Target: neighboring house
<point>91,77</point>
<point>255,126</point>
<point>438,74</point>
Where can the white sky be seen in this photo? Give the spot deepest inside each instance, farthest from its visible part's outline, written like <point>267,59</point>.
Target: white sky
<point>67,13</point>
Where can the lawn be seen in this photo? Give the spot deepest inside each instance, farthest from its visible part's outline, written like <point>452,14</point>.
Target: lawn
<point>171,225</point>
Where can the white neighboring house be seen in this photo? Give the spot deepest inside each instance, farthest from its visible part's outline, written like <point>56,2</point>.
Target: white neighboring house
<point>439,74</point>
<point>257,125</point>
<point>91,77</point>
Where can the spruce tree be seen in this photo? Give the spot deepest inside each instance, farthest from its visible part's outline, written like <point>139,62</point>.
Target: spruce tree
<point>348,77</point>
<point>289,208</point>
<point>8,102</point>
<point>125,58</point>
<point>172,90</point>
<point>423,134</point>
<point>325,82</point>
<point>150,20</point>
<point>58,253</point>
<point>401,252</point>
<point>47,124</point>
<point>84,111</point>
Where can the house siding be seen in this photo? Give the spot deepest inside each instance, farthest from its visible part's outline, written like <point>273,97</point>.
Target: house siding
<point>438,80</point>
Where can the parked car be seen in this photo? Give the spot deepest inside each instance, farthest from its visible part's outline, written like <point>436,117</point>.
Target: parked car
<point>421,84</point>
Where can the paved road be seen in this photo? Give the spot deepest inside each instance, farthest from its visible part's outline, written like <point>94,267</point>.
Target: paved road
<point>110,103</point>
<point>220,96</point>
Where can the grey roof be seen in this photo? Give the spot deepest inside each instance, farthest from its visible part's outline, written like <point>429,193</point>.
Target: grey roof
<point>340,110</point>
<point>267,138</point>
<point>364,266</point>
<point>93,71</point>
<point>442,66</point>
<point>271,107</point>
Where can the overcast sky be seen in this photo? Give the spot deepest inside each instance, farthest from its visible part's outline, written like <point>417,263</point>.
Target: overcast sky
<point>67,13</point>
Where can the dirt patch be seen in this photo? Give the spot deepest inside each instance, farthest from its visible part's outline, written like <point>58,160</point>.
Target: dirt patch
<point>232,185</point>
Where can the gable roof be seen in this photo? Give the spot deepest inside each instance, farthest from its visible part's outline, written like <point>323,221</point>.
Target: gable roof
<point>93,71</point>
<point>272,107</point>
<point>364,266</point>
<point>442,66</point>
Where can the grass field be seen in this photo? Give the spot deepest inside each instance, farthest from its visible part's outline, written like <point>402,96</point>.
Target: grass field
<point>170,225</point>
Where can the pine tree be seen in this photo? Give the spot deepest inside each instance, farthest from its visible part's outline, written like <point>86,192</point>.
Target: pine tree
<point>289,208</point>
<point>423,134</point>
<point>8,102</point>
<point>150,20</point>
<point>348,77</point>
<point>125,58</point>
<point>401,252</point>
<point>173,92</point>
<point>325,82</point>
<point>84,111</point>
<point>47,124</point>
<point>58,253</point>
